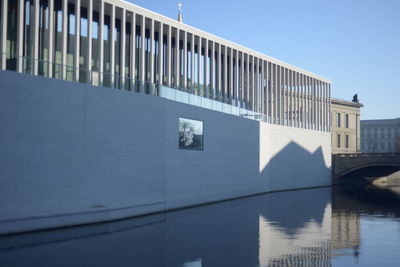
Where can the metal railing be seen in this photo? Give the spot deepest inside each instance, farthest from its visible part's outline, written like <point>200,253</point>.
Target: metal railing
<point>198,95</point>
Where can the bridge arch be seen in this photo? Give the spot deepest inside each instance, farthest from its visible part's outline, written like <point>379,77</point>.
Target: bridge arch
<point>364,165</point>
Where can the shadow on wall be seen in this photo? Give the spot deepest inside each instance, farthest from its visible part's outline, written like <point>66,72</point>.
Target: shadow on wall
<point>296,167</point>
<point>223,234</point>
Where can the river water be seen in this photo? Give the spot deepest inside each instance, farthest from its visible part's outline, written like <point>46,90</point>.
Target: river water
<point>315,227</point>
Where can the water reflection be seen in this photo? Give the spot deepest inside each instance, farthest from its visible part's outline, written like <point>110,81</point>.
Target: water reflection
<point>318,227</point>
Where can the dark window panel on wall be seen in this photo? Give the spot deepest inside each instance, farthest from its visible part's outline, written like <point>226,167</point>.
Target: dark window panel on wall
<point>28,36</point>
<point>12,30</point>
<point>43,38</point>
<point>147,55</point>
<point>138,42</point>
<point>95,42</point>
<point>156,55</point>
<point>83,45</point>
<point>117,49</point>
<point>128,42</point>
<point>57,35</point>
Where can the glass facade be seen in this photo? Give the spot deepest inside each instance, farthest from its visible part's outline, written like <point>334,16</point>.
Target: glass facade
<point>125,47</point>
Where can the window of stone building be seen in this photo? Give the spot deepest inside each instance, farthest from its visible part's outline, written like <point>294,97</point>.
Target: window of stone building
<point>338,120</point>
<point>347,120</point>
<point>347,141</point>
<point>338,141</point>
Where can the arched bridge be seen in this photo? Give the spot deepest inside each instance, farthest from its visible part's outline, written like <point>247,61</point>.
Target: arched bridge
<point>372,165</point>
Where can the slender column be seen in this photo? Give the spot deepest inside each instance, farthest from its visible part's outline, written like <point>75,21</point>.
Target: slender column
<point>294,89</point>
<point>133,48</point>
<point>255,84</point>
<point>161,54</point>
<point>315,104</point>
<point>326,107</point>
<point>314,94</point>
<point>299,95</point>
<point>278,97</point>
<point>297,99</point>
<point>321,102</point>
<point>294,95</point>
<point>51,37</point>
<point>262,95</point>
<point>36,37</point>
<point>289,97</point>
<point>323,106</point>
<point>89,43</point>
<point>266,108</point>
<point>237,80</point>
<point>213,88</point>
<point>169,51</point>
<point>318,105</point>
<point>225,73</point>
<point>206,69</point>
<point>219,55</point>
<point>178,59</point>
<point>101,41</point>
<point>311,102</point>
<point>64,38</point>
<point>198,66</point>
<point>3,44</point>
<point>248,104</point>
<point>192,75</point>
<point>185,60</point>
<point>152,52</point>
<point>231,88</point>
<point>142,49</point>
<point>122,47</point>
<point>77,37</point>
<point>302,100</point>
<point>242,81</point>
<point>290,81</point>
<point>276,91</point>
<point>329,109</point>
<point>20,35</point>
<point>112,45</point>
<point>253,94</point>
<point>286,97</point>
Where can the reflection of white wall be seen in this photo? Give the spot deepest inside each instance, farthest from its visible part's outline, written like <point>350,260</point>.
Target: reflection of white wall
<point>72,153</point>
<point>196,263</point>
<point>276,243</point>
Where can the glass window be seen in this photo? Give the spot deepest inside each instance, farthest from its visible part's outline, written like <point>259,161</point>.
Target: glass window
<point>338,120</point>
<point>347,121</point>
<point>338,141</point>
<point>347,141</point>
<point>190,134</point>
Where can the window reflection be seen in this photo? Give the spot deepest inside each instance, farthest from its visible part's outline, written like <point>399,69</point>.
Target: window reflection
<point>190,134</point>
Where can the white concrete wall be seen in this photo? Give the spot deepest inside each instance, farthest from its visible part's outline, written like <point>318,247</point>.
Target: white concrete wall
<point>71,153</point>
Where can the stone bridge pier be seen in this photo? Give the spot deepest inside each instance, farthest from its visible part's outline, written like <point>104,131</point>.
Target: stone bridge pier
<point>371,165</point>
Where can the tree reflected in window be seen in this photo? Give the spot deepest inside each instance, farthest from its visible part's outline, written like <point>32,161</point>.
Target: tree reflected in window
<point>190,134</point>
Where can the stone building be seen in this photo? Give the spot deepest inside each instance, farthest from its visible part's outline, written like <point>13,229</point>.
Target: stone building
<point>380,136</point>
<point>345,126</point>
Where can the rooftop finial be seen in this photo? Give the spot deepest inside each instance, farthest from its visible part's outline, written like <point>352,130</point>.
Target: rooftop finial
<point>180,12</point>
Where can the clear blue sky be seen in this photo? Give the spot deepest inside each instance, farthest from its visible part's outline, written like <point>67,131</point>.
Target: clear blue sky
<point>354,43</point>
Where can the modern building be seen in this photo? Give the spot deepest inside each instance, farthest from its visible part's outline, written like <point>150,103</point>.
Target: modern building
<point>345,126</point>
<point>111,110</point>
<point>380,136</point>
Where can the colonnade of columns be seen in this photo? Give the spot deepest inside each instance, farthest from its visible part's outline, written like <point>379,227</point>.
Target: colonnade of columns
<point>116,44</point>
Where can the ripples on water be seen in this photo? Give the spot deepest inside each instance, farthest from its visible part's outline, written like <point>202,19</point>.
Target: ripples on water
<point>316,227</point>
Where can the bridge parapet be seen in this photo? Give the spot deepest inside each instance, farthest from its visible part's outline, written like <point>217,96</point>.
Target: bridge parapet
<point>343,164</point>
